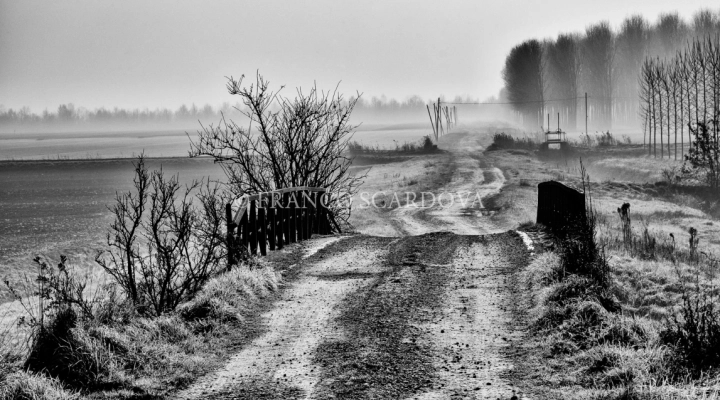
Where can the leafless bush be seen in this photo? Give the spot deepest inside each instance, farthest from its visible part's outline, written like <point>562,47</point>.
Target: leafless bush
<point>291,142</point>
<point>162,246</point>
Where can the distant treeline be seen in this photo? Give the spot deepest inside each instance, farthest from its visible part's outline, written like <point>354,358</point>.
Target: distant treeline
<point>68,115</point>
<point>552,76</point>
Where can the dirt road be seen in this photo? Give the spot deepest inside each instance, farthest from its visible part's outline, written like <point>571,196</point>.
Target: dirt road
<point>458,206</point>
<point>423,312</point>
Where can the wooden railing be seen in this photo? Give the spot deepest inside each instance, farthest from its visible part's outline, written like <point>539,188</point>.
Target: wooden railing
<point>272,220</point>
<point>559,207</point>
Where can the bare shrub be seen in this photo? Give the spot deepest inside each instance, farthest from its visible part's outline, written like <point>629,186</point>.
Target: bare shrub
<point>162,246</point>
<point>291,142</point>
<point>671,175</point>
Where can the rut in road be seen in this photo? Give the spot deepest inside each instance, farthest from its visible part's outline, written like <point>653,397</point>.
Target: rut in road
<point>458,206</point>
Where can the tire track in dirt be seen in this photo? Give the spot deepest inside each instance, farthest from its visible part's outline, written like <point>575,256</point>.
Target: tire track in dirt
<point>278,363</point>
<point>476,326</point>
<point>458,206</point>
<point>435,326</point>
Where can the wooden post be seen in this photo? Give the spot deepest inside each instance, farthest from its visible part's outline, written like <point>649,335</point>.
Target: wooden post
<point>243,230</point>
<point>432,124</point>
<point>301,216</point>
<point>230,236</point>
<point>437,118</point>
<point>253,231</point>
<point>306,213</point>
<point>318,214</point>
<point>286,219</point>
<point>280,223</point>
<point>311,215</point>
<point>291,219</point>
<point>270,215</point>
<point>263,230</point>
<point>297,219</point>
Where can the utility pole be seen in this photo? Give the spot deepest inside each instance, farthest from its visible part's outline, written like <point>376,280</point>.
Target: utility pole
<point>586,114</point>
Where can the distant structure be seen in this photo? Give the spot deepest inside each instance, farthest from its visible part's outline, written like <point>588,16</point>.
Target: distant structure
<point>554,139</point>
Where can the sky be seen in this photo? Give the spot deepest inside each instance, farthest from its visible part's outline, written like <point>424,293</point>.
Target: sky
<point>160,53</point>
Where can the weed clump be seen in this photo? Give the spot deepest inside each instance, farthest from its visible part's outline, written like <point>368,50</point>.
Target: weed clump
<point>694,334</point>
<point>504,141</point>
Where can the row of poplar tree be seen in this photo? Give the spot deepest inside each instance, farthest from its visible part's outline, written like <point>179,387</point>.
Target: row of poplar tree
<point>552,76</point>
<point>679,93</point>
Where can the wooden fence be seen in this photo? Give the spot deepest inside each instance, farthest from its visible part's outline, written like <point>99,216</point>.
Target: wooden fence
<point>272,220</point>
<point>559,207</point>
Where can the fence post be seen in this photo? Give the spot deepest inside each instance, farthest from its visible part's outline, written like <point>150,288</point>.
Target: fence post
<point>263,230</point>
<point>271,223</point>
<point>243,230</point>
<point>230,236</point>
<point>311,214</point>
<point>289,238</point>
<point>280,223</point>
<point>304,216</point>
<point>253,228</point>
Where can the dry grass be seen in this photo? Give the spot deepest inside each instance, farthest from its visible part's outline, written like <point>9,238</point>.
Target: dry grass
<point>29,386</point>
<point>580,349</point>
<point>124,354</point>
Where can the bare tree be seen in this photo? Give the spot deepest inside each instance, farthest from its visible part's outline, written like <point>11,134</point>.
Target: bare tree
<point>705,23</point>
<point>562,65</point>
<point>669,35</point>
<point>597,64</point>
<point>524,80</point>
<point>291,142</point>
<point>631,51</point>
<point>162,247</point>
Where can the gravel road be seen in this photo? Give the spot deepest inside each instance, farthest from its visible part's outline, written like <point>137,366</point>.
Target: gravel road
<point>426,314</point>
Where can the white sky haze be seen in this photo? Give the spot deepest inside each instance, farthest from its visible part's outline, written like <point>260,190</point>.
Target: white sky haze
<point>137,54</point>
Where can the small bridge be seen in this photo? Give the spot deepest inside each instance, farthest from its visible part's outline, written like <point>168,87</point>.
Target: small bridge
<point>272,220</point>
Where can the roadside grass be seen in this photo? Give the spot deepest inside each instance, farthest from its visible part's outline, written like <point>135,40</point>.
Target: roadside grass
<point>118,354</point>
<point>579,349</point>
<point>660,344</point>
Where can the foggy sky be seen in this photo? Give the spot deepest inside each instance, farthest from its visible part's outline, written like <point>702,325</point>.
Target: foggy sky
<point>137,54</point>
